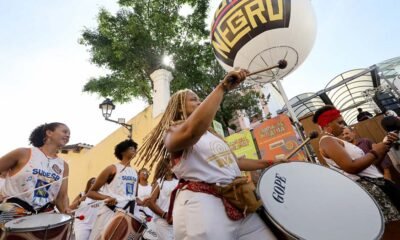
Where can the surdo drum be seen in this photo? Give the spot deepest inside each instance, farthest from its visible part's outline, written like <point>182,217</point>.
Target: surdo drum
<point>124,225</point>
<point>309,201</point>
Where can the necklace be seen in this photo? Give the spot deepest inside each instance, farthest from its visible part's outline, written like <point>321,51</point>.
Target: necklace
<point>48,158</point>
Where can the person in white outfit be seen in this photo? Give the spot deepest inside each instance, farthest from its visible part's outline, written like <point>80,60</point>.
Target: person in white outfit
<point>202,161</point>
<point>86,212</point>
<point>118,183</point>
<point>27,169</point>
<point>159,204</point>
<point>144,192</point>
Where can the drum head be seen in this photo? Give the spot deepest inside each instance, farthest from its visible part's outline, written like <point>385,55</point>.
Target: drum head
<point>310,201</point>
<point>37,222</point>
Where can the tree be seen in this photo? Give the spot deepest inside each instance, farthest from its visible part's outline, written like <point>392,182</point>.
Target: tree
<point>132,43</point>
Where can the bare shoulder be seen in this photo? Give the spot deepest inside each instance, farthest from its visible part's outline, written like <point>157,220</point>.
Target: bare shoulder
<point>18,154</point>
<point>111,169</point>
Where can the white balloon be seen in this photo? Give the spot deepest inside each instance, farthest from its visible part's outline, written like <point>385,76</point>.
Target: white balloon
<point>255,34</point>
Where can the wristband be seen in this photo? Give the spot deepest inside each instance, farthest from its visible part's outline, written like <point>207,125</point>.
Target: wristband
<point>270,163</point>
<point>373,152</point>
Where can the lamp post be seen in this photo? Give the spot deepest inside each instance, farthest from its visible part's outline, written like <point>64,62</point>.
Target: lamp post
<point>107,107</point>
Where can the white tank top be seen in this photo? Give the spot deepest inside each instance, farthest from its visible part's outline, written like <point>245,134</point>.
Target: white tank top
<point>89,209</point>
<point>209,160</point>
<point>123,185</point>
<point>166,188</point>
<point>354,152</point>
<point>143,192</point>
<point>38,171</point>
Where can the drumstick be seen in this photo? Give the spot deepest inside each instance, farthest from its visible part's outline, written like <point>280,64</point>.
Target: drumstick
<point>281,65</point>
<point>34,189</point>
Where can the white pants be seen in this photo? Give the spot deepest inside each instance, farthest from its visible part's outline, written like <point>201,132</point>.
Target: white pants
<point>164,230</point>
<point>103,219</point>
<point>201,216</point>
<point>82,233</point>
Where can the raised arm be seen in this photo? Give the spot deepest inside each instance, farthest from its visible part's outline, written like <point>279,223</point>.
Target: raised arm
<point>106,175</point>
<point>332,149</point>
<point>189,132</point>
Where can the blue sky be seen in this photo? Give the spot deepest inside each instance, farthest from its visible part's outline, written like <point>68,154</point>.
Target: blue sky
<point>43,68</point>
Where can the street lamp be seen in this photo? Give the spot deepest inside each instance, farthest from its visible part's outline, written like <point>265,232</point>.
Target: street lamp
<point>107,107</point>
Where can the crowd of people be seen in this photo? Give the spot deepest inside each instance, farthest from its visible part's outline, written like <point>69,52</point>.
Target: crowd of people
<point>192,165</point>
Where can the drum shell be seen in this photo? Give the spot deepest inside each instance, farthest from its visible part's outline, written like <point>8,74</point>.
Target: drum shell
<point>123,225</point>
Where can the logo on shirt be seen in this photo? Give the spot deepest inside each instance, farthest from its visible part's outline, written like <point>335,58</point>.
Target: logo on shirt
<point>42,192</point>
<point>128,178</point>
<point>45,174</point>
<point>222,155</point>
<point>129,188</point>
<point>56,169</point>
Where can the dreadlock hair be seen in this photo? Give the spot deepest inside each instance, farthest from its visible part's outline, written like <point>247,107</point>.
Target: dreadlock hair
<point>153,149</point>
<point>38,135</point>
<point>161,169</point>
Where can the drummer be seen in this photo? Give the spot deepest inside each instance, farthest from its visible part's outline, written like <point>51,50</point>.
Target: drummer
<point>118,184</point>
<point>30,168</point>
<point>85,213</point>
<point>203,161</point>
<point>354,163</point>
<point>165,182</point>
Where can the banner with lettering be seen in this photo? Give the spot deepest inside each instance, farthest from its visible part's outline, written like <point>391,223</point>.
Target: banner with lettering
<point>242,144</point>
<point>276,138</point>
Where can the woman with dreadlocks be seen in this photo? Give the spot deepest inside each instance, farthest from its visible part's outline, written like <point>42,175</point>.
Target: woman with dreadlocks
<point>202,160</point>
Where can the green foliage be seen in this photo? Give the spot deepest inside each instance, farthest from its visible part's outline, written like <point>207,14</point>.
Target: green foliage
<point>132,43</point>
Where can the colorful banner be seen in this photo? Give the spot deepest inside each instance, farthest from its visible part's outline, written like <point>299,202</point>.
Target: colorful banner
<point>276,138</point>
<point>218,128</point>
<point>242,144</point>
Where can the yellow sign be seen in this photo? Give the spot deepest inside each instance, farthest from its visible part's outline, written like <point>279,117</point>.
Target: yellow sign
<point>242,144</point>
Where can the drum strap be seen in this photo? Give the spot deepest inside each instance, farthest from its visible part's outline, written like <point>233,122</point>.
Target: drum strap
<point>46,208</point>
<point>130,205</point>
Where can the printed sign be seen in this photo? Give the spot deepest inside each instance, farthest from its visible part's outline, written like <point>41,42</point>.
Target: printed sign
<point>276,138</point>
